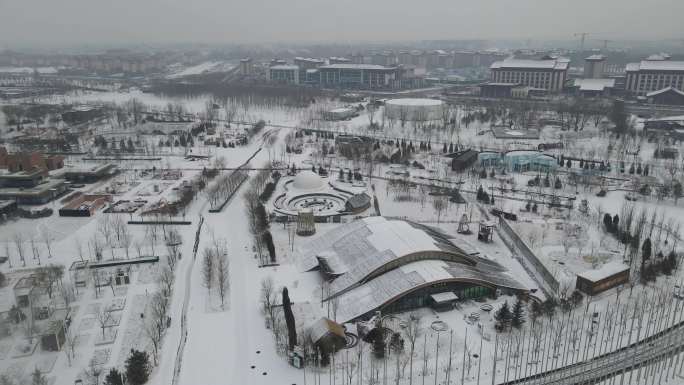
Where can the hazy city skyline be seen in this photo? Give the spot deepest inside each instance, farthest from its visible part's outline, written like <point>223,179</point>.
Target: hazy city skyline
<point>28,22</point>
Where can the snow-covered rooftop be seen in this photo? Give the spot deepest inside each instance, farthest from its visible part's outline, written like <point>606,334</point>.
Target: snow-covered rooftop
<point>656,65</point>
<point>555,64</point>
<point>386,288</point>
<point>594,84</point>
<point>605,271</point>
<point>285,67</point>
<point>414,102</point>
<point>366,248</point>
<point>595,57</point>
<point>352,66</point>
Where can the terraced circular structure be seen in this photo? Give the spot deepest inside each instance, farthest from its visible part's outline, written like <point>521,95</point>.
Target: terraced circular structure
<point>322,204</point>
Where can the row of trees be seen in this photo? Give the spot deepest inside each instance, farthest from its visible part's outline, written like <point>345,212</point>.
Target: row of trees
<point>224,187</point>
<point>257,218</point>
<point>215,269</point>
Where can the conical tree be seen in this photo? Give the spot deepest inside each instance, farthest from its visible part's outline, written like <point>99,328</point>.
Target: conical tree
<point>114,377</point>
<point>518,316</point>
<point>137,367</point>
<point>289,320</point>
<point>503,315</point>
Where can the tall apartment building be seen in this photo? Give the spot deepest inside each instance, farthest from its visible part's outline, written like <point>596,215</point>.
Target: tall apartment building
<point>594,66</point>
<point>284,73</point>
<point>548,74</point>
<point>654,75</point>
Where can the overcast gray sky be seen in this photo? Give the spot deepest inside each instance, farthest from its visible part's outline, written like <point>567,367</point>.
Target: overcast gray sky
<point>231,21</point>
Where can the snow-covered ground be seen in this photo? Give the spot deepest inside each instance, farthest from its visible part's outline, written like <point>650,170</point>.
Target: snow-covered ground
<point>231,344</point>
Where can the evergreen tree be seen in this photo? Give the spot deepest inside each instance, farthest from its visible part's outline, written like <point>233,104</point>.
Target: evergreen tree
<point>268,240</point>
<point>618,116</point>
<point>536,311</point>
<point>557,184</point>
<point>518,316</point>
<point>483,174</point>
<point>480,191</point>
<point>631,169</point>
<point>444,149</point>
<point>645,251</point>
<point>549,307</point>
<point>341,176</point>
<point>677,191</point>
<point>646,170</point>
<point>671,262</point>
<point>113,377</point>
<point>616,223</point>
<point>289,320</point>
<point>451,147</point>
<point>569,163</point>
<point>503,315</point>
<point>608,222</point>
<point>137,367</point>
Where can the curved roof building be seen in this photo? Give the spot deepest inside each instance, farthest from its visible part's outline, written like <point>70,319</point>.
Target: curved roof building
<point>381,263</point>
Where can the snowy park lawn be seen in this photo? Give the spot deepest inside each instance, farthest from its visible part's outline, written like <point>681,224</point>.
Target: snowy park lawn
<point>108,338</point>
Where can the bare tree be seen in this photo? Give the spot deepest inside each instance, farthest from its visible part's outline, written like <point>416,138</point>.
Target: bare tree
<point>79,247</point>
<point>412,331</point>
<point>104,319</point>
<point>18,239</point>
<point>269,298</point>
<point>165,280</point>
<point>93,372</point>
<point>222,276</point>
<point>7,254</point>
<point>155,324</point>
<point>46,235</point>
<point>208,268</point>
<point>70,342</point>
<point>126,240</point>
<point>439,204</point>
<point>34,249</point>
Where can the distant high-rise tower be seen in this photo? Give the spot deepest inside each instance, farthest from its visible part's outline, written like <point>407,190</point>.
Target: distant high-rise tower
<point>246,66</point>
<point>594,66</point>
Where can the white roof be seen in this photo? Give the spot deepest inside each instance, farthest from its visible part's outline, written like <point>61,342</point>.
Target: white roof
<point>556,64</point>
<point>596,57</point>
<point>395,283</point>
<point>365,247</point>
<point>605,271</point>
<point>414,102</point>
<point>444,297</point>
<point>594,84</point>
<point>656,65</point>
<point>356,66</point>
<point>285,67</point>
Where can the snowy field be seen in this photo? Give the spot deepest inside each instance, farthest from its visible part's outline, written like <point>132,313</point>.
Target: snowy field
<point>209,341</point>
